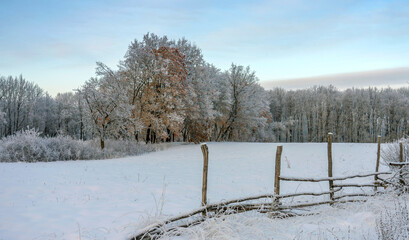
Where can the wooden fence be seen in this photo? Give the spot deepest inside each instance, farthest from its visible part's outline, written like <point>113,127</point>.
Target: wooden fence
<point>330,179</point>
<point>270,202</point>
<point>402,171</point>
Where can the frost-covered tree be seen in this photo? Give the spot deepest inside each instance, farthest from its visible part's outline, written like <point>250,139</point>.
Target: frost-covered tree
<point>154,73</point>
<point>202,103</point>
<point>70,115</point>
<point>17,102</point>
<point>46,117</point>
<point>201,92</point>
<point>353,115</point>
<point>244,107</point>
<point>109,109</point>
<point>164,90</point>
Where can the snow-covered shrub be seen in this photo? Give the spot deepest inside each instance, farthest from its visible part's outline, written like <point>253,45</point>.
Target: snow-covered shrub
<point>400,174</point>
<point>394,223</point>
<point>391,152</point>
<point>66,148</point>
<point>123,148</point>
<point>28,146</point>
<point>25,146</point>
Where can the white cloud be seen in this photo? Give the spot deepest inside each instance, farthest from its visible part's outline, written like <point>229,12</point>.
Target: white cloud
<point>396,77</point>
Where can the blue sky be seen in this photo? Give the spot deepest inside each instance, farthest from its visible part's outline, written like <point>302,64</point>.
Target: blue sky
<point>56,43</point>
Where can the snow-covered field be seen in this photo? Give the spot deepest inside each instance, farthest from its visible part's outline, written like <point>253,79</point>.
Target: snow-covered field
<point>111,199</point>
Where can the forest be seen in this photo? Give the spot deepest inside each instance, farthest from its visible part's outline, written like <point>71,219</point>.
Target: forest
<point>164,91</point>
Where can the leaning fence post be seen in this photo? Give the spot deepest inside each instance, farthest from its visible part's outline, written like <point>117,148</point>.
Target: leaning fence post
<point>331,182</point>
<point>402,181</point>
<point>277,174</point>
<point>378,157</point>
<point>205,152</point>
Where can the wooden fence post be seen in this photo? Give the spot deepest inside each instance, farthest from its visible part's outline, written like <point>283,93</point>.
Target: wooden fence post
<point>402,181</point>
<point>378,157</point>
<point>400,152</point>
<point>277,173</point>
<point>331,182</point>
<point>205,152</point>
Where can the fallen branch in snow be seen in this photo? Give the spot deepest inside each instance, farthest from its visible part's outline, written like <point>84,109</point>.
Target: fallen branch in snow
<point>149,231</point>
<point>155,233</point>
<point>330,178</point>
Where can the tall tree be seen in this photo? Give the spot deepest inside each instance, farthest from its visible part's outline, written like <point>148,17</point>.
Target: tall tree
<point>109,109</point>
<point>241,84</point>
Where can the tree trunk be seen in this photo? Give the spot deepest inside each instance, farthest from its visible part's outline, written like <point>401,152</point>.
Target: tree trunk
<point>81,129</point>
<point>153,139</point>
<point>102,144</point>
<point>169,137</point>
<point>148,135</point>
<point>185,135</point>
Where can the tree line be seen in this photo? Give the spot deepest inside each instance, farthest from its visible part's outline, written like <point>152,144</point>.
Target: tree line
<point>163,90</point>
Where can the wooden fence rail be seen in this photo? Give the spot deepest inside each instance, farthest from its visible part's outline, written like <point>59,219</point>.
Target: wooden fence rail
<point>399,163</point>
<point>283,178</point>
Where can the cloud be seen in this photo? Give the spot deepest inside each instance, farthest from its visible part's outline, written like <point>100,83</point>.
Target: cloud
<point>396,77</point>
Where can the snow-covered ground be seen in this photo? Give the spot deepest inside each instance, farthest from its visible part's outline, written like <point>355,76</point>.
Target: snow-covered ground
<point>111,199</point>
<point>346,221</point>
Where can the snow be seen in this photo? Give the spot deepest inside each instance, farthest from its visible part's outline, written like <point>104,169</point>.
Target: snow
<point>346,221</point>
<point>112,199</point>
